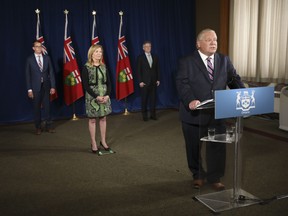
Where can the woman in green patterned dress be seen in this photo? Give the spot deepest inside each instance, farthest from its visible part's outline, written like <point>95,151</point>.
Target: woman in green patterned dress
<point>96,82</point>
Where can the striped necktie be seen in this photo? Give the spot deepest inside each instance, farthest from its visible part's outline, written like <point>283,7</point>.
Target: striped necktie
<point>210,68</point>
<point>40,63</point>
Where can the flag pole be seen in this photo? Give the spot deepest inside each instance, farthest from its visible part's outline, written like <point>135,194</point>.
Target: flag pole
<point>126,112</point>
<point>74,118</point>
<point>37,11</point>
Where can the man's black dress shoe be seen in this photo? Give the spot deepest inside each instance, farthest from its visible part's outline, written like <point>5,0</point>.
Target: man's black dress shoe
<point>153,117</point>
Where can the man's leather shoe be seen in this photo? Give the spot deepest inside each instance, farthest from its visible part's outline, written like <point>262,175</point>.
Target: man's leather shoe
<point>218,186</point>
<point>51,130</point>
<point>145,119</point>
<point>153,117</point>
<point>38,131</point>
<point>198,183</point>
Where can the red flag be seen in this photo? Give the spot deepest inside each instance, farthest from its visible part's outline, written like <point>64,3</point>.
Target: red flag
<point>72,80</point>
<point>40,38</point>
<point>124,78</point>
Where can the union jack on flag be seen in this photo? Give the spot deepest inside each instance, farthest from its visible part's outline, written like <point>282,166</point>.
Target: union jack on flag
<point>122,49</point>
<point>44,49</point>
<point>95,40</point>
<point>69,52</point>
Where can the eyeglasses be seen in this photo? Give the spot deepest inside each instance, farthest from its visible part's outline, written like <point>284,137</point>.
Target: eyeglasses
<point>37,46</point>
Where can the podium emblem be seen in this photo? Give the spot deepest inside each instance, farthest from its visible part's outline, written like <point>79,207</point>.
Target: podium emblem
<point>245,101</point>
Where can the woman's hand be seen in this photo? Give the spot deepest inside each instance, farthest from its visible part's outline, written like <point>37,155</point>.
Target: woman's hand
<point>102,99</point>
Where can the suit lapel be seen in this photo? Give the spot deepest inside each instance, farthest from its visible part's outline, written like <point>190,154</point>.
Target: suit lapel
<point>44,62</point>
<point>216,66</point>
<point>146,60</point>
<point>201,65</point>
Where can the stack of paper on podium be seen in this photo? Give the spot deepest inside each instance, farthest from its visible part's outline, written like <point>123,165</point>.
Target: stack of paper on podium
<point>210,103</point>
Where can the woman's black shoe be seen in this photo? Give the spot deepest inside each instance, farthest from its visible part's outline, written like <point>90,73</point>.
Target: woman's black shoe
<point>106,149</point>
<point>95,151</point>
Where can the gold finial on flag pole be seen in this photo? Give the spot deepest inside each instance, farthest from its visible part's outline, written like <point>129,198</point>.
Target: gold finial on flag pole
<point>93,12</point>
<point>37,11</point>
<point>66,11</point>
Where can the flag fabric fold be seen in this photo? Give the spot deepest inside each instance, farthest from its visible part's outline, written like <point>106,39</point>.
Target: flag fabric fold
<point>72,80</point>
<point>124,77</point>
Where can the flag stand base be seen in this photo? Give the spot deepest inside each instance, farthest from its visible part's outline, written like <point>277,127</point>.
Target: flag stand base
<point>74,117</point>
<point>126,112</point>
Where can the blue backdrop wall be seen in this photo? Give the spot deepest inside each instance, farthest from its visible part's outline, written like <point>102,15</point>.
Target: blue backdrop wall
<point>169,25</point>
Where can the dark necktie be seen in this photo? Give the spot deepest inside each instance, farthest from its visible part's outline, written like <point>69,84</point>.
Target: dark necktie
<point>210,68</point>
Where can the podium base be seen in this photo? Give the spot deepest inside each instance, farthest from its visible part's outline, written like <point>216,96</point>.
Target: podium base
<point>223,200</point>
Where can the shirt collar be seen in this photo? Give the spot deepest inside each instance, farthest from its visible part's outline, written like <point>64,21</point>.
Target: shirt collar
<point>204,57</point>
<point>36,55</point>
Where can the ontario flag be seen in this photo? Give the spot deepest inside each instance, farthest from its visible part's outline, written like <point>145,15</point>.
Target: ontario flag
<point>72,80</point>
<point>40,38</point>
<point>124,78</point>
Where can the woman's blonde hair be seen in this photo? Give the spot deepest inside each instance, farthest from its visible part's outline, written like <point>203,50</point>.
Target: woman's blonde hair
<point>90,53</point>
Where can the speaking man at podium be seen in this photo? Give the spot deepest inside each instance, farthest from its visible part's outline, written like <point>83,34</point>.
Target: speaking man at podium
<point>199,75</point>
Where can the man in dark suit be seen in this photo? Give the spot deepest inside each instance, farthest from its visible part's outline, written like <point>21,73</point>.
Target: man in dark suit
<point>149,79</point>
<point>40,81</point>
<point>197,79</point>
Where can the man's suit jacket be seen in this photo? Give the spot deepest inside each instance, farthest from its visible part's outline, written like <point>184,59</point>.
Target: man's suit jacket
<point>193,83</point>
<point>34,74</point>
<point>146,74</point>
